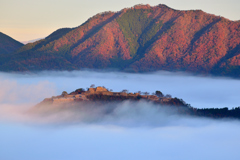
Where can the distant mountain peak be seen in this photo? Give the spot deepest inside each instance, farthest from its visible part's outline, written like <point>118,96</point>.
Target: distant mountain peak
<point>31,41</point>
<point>139,39</point>
<point>8,44</point>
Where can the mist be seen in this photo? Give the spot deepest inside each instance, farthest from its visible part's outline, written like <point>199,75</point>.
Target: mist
<point>199,91</point>
<point>123,130</point>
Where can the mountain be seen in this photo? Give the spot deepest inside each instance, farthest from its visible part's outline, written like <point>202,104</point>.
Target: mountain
<point>31,41</point>
<point>138,39</point>
<point>8,44</point>
<point>99,98</point>
<point>101,94</point>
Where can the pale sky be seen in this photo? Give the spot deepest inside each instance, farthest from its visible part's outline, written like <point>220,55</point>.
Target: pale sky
<point>26,20</point>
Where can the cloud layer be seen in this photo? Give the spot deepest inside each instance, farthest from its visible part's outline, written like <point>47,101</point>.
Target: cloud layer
<point>125,130</point>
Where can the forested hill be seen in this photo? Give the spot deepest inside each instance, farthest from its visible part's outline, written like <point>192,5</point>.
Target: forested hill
<point>8,44</point>
<point>138,39</point>
<point>101,96</point>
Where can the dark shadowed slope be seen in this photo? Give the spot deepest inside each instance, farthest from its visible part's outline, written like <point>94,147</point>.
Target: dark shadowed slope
<point>139,39</point>
<point>8,44</point>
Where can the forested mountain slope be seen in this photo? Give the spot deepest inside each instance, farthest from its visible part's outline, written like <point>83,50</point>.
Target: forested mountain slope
<point>138,39</point>
<point>8,44</point>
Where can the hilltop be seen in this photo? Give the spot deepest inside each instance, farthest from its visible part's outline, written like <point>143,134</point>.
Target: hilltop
<point>104,95</point>
<point>8,44</point>
<point>138,39</point>
<point>100,96</point>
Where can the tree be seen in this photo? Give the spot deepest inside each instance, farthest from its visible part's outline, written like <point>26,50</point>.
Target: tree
<point>64,93</point>
<point>168,96</point>
<point>159,93</point>
<point>125,91</point>
<point>92,86</point>
<point>80,90</point>
<point>146,93</point>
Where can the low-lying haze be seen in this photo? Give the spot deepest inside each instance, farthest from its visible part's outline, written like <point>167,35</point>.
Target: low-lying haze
<point>200,92</point>
<point>130,130</point>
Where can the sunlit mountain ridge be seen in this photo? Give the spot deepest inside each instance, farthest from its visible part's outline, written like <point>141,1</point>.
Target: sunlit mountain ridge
<point>138,39</point>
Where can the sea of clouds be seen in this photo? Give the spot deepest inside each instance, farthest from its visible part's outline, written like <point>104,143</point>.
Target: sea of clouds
<point>124,130</point>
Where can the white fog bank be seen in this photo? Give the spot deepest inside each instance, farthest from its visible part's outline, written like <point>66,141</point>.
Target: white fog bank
<point>130,131</point>
<point>215,140</point>
<point>200,92</point>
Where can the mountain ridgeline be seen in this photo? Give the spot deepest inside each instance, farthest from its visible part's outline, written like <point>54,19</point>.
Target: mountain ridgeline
<point>138,39</point>
<point>8,45</point>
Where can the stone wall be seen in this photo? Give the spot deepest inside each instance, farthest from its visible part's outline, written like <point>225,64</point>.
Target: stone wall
<point>61,100</point>
<point>101,89</point>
